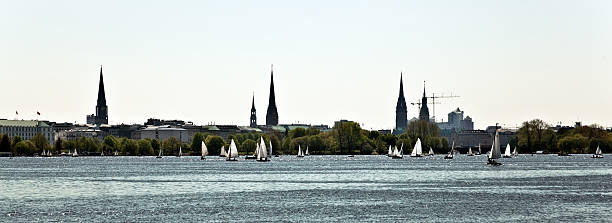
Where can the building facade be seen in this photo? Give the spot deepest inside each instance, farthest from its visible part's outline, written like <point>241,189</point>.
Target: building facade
<point>27,129</point>
<point>253,121</point>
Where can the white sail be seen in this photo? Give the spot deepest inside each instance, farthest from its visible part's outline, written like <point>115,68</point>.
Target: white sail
<point>256,153</point>
<point>515,153</point>
<point>116,153</point>
<point>44,153</point>
<point>390,151</point>
<point>431,152</point>
<point>262,149</point>
<point>417,150</point>
<point>395,152</point>
<point>495,150</point>
<point>180,151</point>
<point>598,151</point>
<point>270,148</point>
<point>307,153</point>
<point>160,152</point>
<point>479,151</point>
<point>507,152</point>
<point>300,150</point>
<point>233,150</point>
<point>204,149</point>
<point>470,151</point>
<point>75,153</point>
<point>401,152</point>
<point>223,153</point>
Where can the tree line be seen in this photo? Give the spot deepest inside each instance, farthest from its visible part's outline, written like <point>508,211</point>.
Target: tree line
<point>537,135</point>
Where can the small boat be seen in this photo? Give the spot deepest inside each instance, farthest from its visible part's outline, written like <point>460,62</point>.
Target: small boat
<point>75,154</point>
<point>515,153</point>
<point>232,154</point>
<point>390,154</point>
<point>495,152</point>
<point>417,151</point>
<point>479,151</point>
<point>160,153</point>
<point>431,152</point>
<point>351,155</point>
<point>597,153</point>
<point>271,150</point>
<point>398,154</point>
<point>307,153</point>
<point>102,153</point>
<point>507,153</point>
<point>180,154</point>
<point>470,152</point>
<point>44,153</point>
<point>563,154</point>
<point>223,153</point>
<point>116,153</point>
<point>254,156</point>
<point>204,151</point>
<point>451,153</point>
<point>262,155</point>
<point>300,154</point>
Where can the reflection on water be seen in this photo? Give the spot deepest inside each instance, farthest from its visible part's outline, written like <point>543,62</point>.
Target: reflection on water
<point>314,188</point>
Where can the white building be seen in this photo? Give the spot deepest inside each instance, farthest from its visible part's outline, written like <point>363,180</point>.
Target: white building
<point>27,129</point>
<point>162,133</point>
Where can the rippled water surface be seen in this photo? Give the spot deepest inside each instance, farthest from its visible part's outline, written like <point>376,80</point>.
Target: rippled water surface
<point>539,188</point>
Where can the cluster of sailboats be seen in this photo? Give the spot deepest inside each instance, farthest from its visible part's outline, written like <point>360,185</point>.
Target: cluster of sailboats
<point>48,153</point>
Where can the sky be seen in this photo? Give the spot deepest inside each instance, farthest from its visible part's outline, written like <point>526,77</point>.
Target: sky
<point>202,61</point>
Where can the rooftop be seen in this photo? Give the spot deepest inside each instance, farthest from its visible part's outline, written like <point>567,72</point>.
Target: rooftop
<point>23,123</point>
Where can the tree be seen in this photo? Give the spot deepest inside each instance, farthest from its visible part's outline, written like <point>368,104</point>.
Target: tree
<point>155,145</point>
<point>110,144</point>
<point>534,135</point>
<point>40,142</point>
<point>248,146</point>
<point>276,144</point>
<point>5,143</point>
<point>214,144</point>
<point>145,148</point>
<point>131,147</point>
<point>25,148</point>
<point>196,142</point>
<point>171,146</point>
<point>58,145</point>
<point>16,140</point>
<point>349,137</point>
<point>573,143</point>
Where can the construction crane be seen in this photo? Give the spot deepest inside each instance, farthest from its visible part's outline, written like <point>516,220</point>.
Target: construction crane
<point>433,101</point>
<point>419,104</point>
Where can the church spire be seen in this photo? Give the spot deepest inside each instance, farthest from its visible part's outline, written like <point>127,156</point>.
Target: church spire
<point>401,110</point>
<point>101,94</point>
<point>253,113</point>
<point>272,115</point>
<point>424,112</point>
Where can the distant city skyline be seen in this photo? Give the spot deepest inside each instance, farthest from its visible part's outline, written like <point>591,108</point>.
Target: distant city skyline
<point>201,61</point>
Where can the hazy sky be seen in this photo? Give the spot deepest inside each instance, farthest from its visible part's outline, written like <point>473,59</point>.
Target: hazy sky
<point>201,61</point>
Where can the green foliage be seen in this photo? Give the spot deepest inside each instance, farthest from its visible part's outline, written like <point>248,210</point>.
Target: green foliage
<point>130,147</point>
<point>573,143</point>
<point>16,140</point>
<point>349,137</point>
<point>5,143</point>
<point>214,144</point>
<point>25,148</point>
<point>156,145</point>
<point>145,148</point>
<point>58,145</point>
<point>196,141</point>
<point>110,145</point>
<point>40,142</point>
<point>248,147</point>
<point>171,146</point>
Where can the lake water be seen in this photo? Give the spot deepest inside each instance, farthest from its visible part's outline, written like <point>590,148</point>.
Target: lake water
<point>540,188</point>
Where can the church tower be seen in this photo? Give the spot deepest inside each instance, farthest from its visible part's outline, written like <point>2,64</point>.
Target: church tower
<point>253,114</point>
<point>101,116</point>
<point>401,111</point>
<point>272,115</point>
<point>424,113</point>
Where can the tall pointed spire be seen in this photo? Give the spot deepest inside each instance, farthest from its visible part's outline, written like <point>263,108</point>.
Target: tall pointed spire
<point>424,112</point>
<point>272,115</point>
<point>401,110</point>
<point>253,113</point>
<point>101,94</point>
<point>101,116</point>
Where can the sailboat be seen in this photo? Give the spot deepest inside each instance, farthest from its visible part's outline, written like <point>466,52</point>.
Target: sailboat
<point>390,154</point>
<point>75,154</point>
<point>271,149</point>
<point>116,153</point>
<point>495,151</point>
<point>204,151</point>
<point>102,153</point>
<point>479,150</point>
<point>451,153</point>
<point>232,153</point>
<point>398,154</point>
<point>598,153</point>
<point>507,153</point>
<point>223,153</point>
<point>514,153</point>
<point>470,152</point>
<point>300,154</point>
<point>307,153</point>
<point>254,156</point>
<point>160,153</point>
<point>44,153</point>
<point>262,155</point>
<point>431,152</point>
<point>180,152</point>
<point>417,151</point>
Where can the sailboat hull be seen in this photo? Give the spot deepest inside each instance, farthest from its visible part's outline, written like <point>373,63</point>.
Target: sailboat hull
<point>416,156</point>
<point>397,157</point>
<point>492,162</point>
<point>250,157</point>
<point>202,158</point>
<point>596,156</point>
